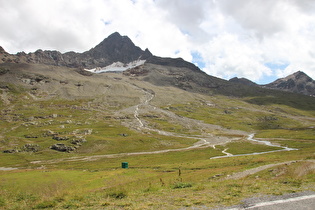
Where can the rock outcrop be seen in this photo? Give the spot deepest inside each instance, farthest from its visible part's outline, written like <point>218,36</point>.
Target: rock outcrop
<point>299,82</point>
<point>62,148</point>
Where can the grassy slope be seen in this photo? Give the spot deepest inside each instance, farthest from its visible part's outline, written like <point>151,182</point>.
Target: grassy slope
<point>169,180</point>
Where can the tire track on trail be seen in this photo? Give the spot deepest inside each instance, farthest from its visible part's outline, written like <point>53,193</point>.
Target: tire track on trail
<point>252,171</point>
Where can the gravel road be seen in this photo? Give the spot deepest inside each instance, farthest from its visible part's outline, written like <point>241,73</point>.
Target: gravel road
<point>294,201</point>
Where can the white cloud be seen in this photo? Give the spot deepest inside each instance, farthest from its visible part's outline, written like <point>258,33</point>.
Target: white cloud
<point>61,25</point>
<point>255,39</point>
<point>148,26</point>
<point>227,56</point>
<point>261,17</point>
<point>264,32</point>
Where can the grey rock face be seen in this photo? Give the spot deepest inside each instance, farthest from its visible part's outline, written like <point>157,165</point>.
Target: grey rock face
<point>299,82</point>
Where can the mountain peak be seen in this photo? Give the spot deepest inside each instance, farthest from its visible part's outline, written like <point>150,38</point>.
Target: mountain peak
<point>300,75</point>
<point>116,37</point>
<point>115,34</point>
<point>298,82</point>
<point>117,48</point>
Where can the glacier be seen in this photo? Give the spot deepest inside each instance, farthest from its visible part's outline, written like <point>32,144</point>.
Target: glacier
<point>117,67</point>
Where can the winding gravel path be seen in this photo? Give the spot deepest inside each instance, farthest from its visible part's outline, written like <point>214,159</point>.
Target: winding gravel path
<point>251,138</point>
<point>243,174</point>
<point>252,171</point>
<point>7,169</point>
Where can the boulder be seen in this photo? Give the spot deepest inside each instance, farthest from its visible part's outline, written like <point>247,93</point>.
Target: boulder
<point>62,148</point>
<point>78,141</point>
<point>30,148</point>
<point>30,136</point>
<point>11,151</point>
<point>49,133</point>
<point>60,138</point>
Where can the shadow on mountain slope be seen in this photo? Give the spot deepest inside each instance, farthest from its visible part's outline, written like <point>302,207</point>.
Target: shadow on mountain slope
<point>199,82</point>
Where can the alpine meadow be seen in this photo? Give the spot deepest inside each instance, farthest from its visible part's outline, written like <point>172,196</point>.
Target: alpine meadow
<point>116,127</point>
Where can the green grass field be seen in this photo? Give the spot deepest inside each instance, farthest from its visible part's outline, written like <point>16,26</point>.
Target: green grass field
<point>167,181</point>
<point>49,179</point>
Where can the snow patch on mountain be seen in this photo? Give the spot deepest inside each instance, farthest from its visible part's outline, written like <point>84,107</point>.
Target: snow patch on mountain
<point>117,67</point>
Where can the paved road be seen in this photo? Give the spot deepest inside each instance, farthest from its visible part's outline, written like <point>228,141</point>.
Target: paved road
<point>304,201</point>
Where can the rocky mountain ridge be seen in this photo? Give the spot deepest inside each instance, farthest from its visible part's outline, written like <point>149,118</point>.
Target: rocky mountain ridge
<point>243,81</point>
<point>114,48</point>
<point>117,48</point>
<point>298,82</point>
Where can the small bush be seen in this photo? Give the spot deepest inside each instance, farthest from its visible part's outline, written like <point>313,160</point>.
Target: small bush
<point>59,199</point>
<point>233,185</point>
<point>180,185</point>
<point>2,202</point>
<point>117,194</point>
<point>105,204</point>
<point>199,188</point>
<point>45,204</point>
<point>26,197</point>
<point>71,205</point>
<point>3,71</point>
<point>292,182</point>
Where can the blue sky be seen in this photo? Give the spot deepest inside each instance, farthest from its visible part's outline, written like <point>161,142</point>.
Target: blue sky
<point>197,59</point>
<point>260,40</point>
<point>275,67</point>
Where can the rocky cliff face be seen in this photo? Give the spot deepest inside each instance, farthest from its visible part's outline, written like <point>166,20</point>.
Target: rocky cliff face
<point>115,48</point>
<point>112,49</point>
<point>298,82</point>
